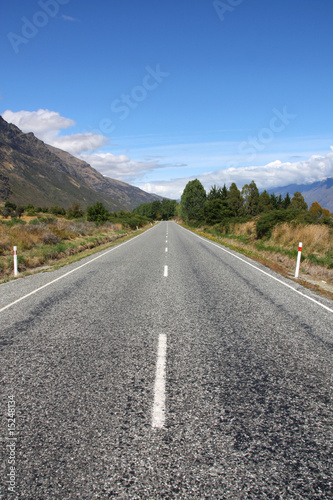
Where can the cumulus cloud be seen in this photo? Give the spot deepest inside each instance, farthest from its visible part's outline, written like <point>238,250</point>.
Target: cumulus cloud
<point>276,174</point>
<point>47,125</point>
<point>172,189</point>
<point>43,123</point>
<point>120,166</point>
<point>77,143</point>
<point>272,175</point>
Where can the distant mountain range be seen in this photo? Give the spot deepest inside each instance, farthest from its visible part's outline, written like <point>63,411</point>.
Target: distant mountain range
<point>34,172</point>
<point>321,191</point>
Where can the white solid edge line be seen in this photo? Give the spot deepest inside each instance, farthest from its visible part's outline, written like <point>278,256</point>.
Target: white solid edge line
<point>158,417</point>
<point>260,270</point>
<point>72,271</point>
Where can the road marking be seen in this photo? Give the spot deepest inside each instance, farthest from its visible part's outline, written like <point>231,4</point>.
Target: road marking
<point>165,271</point>
<point>166,249</point>
<point>260,270</point>
<point>72,271</point>
<point>158,417</point>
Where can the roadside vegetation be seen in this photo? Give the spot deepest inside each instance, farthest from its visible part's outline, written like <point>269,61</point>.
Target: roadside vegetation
<point>157,210</point>
<point>263,226</point>
<point>46,236</point>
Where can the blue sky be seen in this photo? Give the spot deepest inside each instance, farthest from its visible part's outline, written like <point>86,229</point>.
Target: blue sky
<point>159,93</point>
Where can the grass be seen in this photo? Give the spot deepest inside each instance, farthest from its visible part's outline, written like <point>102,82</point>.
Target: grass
<point>47,241</point>
<point>279,251</point>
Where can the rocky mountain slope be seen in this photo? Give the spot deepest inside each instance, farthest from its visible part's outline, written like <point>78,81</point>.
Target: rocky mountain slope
<point>34,172</point>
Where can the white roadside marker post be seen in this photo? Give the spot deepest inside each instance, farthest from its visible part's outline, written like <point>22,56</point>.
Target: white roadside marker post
<point>298,259</point>
<point>15,260</point>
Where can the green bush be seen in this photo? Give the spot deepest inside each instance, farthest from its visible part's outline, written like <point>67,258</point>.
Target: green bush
<point>13,222</point>
<point>97,213</point>
<point>267,221</point>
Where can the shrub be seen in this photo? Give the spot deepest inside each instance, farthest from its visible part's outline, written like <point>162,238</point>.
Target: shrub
<point>49,238</point>
<point>267,221</point>
<point>74,212</point>
<point>97,213</point>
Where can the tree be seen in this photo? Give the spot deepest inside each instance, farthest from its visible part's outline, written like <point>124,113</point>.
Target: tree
<point>97,212</point>
<point>168,208</point>
<point>264,203</point>
<point>57,210</point>
<point>74,212</point>
<point>192,201</point>
<point>274,201</point>
<point>250,194</point>
<point>216,210</point>
<point>19,211</point>
<point>298,202</point>
<point>156,210</point>
<point>217,193</point>
<point>286,201</point>
<point>317,212</point>
<point>224,192</point>
<point>234,199</point>
<point>10,205</point>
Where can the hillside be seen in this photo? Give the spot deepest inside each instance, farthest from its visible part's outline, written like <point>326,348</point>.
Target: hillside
<point>34,172</point>
<point>321,191</point>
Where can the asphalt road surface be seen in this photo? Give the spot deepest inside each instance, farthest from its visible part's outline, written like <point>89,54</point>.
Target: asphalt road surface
<point>165,368</point>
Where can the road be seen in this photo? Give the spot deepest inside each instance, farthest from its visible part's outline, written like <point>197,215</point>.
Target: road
<point>167,367</point>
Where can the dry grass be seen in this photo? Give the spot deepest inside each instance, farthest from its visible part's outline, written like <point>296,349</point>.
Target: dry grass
<point>315,238</point>
<point>40,242</point>
<point>280,250</point>
<point>245,229</point>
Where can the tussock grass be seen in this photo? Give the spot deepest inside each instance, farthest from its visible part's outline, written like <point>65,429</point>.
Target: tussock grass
<point>316,238</point>
<point>44,241</point>
<point>281,247</point>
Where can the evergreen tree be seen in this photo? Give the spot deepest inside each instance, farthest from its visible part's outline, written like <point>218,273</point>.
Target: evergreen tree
<point>192,201</point>
<point>224,192</point>
<point>250,194</point>
<point>274,201</point>
<point>216,210</point>
<point>298,202</point>
<point>280,202</point>
<point>286,201</point>
<point>234,199</point>
<point>264,204</point>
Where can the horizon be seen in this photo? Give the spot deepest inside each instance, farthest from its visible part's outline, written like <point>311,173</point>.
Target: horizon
<point>158,95</point>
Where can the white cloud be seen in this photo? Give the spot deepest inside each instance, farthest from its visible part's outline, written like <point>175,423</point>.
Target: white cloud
<point>120,166</point>
<point>47,125</point>
<point>43,123</point>
<point>167,189</point>
<point>273,175</point>
<point>77,143</point>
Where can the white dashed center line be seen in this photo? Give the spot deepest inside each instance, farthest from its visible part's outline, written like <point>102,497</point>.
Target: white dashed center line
<point>158,418</point>
<point>165,271</point>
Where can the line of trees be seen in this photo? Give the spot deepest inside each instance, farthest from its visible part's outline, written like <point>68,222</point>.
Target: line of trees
<point>97,213</point>
<point>12,210</point>
<point>157,210</point>
<point>221,204</point>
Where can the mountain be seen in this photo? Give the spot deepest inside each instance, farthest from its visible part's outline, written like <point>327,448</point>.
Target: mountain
<point>321,191</point>
<point>34,172</point>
